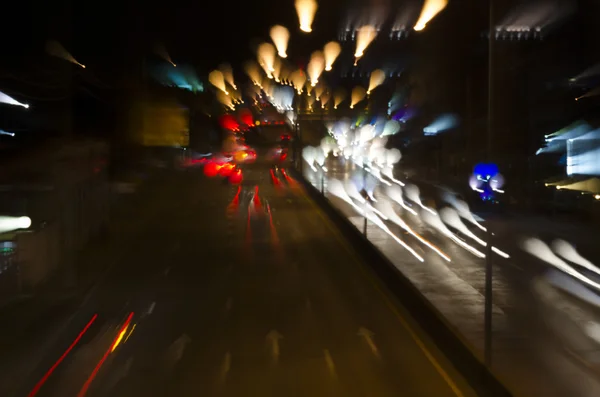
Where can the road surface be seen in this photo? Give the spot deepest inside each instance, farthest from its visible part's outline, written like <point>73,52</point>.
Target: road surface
<point>246,290</point>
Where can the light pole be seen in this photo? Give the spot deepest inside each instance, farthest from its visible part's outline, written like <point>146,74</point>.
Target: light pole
<point>490,133</point>
<point>297,137</point>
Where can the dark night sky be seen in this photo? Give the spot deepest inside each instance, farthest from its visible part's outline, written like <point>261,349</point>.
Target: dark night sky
<point>204,33</point>
<point>111,37</point>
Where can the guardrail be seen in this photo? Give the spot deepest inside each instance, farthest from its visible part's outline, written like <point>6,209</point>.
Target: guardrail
<point>446,339</point>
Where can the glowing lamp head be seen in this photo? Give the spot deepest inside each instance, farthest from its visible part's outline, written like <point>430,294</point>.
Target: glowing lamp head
<point>83,66</point>
<point>26,106</point>
<point>328,68</point>
<point>24,222</point>
<point>306,29</point>
<point>282,54</point>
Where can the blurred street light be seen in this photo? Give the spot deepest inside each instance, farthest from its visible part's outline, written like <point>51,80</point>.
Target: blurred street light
<point>306,10</point>
<point>10,223</point>
<point>430,9</point>
<point>11,101</point>
<point>56,49</point>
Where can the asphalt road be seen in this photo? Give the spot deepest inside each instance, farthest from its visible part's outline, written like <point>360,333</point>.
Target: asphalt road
<point>238,291</point>
<point>543,339</point>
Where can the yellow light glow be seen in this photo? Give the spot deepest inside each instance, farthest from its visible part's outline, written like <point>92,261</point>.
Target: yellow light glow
<point>338,97</point>
<point>430,9</point>
<point>377,78</point>
<point>56,49</point>
<point>315,67</point>
<point>280,36</point>
<point>225,99</point>
<point>227,71</point>
<point>364,36</point>
<point>266,58</point>
<point>119,338</point>
<point>298,80</point>
<point>306,10</point>
<point>277,69</point>
<point>325,99</point>
<point>358,94</point>
<point>319,89</point>
<point>253,71</point>
<point>331,51</point>
<point>216,78</point>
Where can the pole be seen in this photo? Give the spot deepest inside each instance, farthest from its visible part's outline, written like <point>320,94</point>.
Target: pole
<point>365,221</point>
<point>365,209</point>
<point>488,257</point>
<point>490,129</point>
<point>488,301</point>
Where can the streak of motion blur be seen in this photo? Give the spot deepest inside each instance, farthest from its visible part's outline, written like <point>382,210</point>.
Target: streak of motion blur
<point>433,237</point>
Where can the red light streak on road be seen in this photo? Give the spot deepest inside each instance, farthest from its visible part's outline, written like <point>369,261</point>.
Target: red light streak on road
<point>256,199</point>
<point>275,180</point>
<point>92,376</point>
<point>235,202</point>
<point>291,182</point>
<point>41,382</point>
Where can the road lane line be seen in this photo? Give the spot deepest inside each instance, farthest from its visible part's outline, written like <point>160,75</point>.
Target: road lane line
<point>330,364</point>
<point>434,362</point>
<point>272,339</point>
<point>368,337</point>
<point>225,367</point>
<point>151,308</point>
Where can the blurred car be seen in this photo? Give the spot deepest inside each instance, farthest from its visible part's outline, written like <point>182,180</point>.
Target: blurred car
<point>245,154</point>
<point>285,141</point>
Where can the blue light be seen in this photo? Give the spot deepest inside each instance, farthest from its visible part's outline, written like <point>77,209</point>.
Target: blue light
<point>488,169</point>
<point>486,180</point>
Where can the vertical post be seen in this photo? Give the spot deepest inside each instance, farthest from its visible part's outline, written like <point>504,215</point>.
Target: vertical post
<point>488,300</point>
<point>300,166</point>
<point>492,39</point>
<point>322,182</point>
<point>365,209</point>
<point>488,257</point>
<point>439,157</point>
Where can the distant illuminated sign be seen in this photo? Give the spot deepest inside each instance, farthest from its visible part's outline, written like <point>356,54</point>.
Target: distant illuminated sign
<point>486,180</point>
